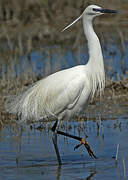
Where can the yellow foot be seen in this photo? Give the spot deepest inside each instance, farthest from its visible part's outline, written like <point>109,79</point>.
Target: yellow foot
<point>83,141</point>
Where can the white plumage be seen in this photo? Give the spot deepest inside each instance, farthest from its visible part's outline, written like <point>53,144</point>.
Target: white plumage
<point>66,93</point>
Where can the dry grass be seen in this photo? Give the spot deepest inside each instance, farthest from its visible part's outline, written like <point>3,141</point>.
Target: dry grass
<point>27,25</point>
<point>23,24</point>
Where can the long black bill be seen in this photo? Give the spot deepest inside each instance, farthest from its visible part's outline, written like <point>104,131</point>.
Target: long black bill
<point>105,10</point>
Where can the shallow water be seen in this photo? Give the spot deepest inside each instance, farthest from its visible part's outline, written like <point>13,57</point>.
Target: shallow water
<point>116,64</point>
<point>27,153</point>
<point>50,59</point>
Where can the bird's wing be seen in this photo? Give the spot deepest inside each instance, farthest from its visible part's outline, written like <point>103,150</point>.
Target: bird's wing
<point>71,93</point>
<point>50,96</point>
<point>74,90</point>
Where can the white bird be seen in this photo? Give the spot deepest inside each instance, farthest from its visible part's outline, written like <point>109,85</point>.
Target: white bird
<point>66,93</point>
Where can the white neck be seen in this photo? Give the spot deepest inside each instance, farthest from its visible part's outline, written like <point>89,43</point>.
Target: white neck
<point>95,64</point>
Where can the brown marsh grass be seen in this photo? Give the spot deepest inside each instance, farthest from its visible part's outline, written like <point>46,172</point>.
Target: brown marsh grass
<point>25,25</point>
<point>28,25</point>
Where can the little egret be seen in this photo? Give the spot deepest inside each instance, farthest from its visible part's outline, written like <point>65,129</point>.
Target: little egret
<point>66,93</point>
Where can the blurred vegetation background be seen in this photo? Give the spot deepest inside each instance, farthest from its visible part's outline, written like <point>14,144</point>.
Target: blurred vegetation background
<point>28,26</point>
<point>24,24</point>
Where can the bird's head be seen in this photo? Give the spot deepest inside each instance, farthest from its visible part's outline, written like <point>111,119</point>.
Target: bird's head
<point>93,11</point>
<point>90,12</point>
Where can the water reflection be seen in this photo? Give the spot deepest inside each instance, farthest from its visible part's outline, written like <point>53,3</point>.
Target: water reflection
<point>58,173</point>
<point>27,152</point>
<point>91,175</point>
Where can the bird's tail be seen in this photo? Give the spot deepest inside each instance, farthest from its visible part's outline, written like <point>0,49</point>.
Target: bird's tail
<point>30,106</point>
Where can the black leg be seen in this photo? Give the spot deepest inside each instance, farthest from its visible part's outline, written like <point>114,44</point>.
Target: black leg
<point>82,140</point>
<point>54,139</point>
<point>54,126</point>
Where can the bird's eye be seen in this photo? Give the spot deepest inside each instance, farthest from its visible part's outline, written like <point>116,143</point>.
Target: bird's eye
<point>96,10</point>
